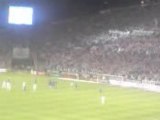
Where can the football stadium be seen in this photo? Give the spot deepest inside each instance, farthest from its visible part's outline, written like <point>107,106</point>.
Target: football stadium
<point>79,60</point>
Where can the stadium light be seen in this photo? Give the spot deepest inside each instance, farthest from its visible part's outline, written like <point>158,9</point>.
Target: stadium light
<point>20,15</point>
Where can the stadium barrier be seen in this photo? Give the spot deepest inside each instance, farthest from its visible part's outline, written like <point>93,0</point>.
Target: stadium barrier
<point>33,72</point>
<point>69,79</point>
<point>3,70</point>
<point>90,77</point>
<point>112,80</point>
<point>134,84</point>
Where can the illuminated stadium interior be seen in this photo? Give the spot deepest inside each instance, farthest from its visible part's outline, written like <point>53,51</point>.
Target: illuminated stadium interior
<point>79,60</point>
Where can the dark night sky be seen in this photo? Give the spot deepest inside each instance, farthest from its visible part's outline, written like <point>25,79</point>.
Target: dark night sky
<point>73,7</point>
<point>60,9</point>
<point>51,10</point>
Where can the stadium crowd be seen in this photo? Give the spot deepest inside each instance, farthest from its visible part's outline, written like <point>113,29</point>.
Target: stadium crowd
<point>121,41</point>
<point>125,45</point>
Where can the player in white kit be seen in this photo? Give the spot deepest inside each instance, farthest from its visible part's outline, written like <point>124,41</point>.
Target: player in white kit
<point>103,100</point>
<point>24,86</point>
<point>8,85</point>
<point>34,86</point>
<point>4,84</point>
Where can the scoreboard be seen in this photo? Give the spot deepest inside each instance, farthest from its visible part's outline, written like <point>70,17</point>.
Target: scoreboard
<point>21,53</point>
<point>16,13</point>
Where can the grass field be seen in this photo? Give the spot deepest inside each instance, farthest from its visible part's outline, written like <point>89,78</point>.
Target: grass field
<point>68,103</point>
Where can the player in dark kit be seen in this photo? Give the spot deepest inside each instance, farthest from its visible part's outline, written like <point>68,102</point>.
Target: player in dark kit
<point>52,83</point>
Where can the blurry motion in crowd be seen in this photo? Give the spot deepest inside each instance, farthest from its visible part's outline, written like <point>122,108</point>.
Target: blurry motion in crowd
<point>34,86</point>
<point>142,3</point>
<point>24,86</point>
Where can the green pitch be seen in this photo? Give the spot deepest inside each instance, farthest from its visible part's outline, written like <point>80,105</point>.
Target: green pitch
<point>67,103</point>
